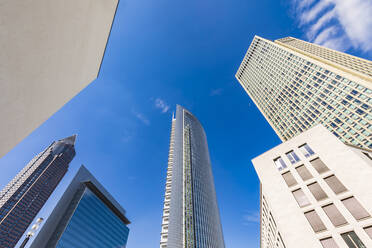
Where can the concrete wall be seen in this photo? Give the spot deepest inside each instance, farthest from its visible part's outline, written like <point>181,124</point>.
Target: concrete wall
<point>50,51</point>
<point>352,169</point>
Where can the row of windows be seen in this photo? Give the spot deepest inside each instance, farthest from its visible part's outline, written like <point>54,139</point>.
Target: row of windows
<point>329,208</point>
<point>289,92</point>
<point>292,157</point>
<point>346,60</point>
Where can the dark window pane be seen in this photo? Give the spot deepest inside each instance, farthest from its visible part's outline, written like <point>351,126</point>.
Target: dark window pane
<point>352,240</point>
<point>335,184</point>
<point>303,172</point>
<point>355,208</point>
<point>319,166</point>
<point>317,191</point>
<point>289,179</point>
<point>315,222</point>
<point>334,215</point>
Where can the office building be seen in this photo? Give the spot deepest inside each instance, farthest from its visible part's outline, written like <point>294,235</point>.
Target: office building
<point>297,85</point>
<point>50,51</point>
<point>191,215</point>
<point>25,195</point>
<point>316,193</point>
<point>86,216</point>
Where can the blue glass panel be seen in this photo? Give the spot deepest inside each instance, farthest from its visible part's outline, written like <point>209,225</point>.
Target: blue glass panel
<point>94,225</point>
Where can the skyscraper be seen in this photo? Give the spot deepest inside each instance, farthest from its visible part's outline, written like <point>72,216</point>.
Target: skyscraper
<point>25,195</point>
<point>86,216</point>
<point>297,85</point>
<point>315,192</point>
<point>190,216</point>
<point>51,50</point>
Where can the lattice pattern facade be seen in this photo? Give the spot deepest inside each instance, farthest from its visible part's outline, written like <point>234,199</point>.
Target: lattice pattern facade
<point>353,63</point>
<point>295,92</point>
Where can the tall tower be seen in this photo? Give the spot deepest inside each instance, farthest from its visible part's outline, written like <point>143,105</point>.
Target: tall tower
<point>190,216</point>
<point>25,195</point>
<point>297,85</point>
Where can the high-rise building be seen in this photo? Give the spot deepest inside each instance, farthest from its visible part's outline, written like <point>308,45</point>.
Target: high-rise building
<point>51,50</point>
<point>86,216</point>
<point>297,85</point>
<point>190,216</point>
<point>25,195</point>
<point>315,192</point>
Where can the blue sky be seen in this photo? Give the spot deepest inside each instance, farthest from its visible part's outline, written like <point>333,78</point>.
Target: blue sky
<point>166,52</point>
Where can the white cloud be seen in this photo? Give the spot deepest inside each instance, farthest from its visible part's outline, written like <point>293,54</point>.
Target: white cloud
<point>338,24</point>
<point>355,18</point>
<point>322,21</point>
<point>325,35</point>
<point>141,117</point>
<point>310,14</point>
<point>216,92</point>
<point>162,105</point>
<point>303,3</point>
<point>251,217</point>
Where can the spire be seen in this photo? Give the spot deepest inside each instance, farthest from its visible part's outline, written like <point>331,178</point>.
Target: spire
<point>69,140</point>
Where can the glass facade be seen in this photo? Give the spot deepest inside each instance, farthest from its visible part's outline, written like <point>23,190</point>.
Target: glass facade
<point>190,216</point>
<point>296,92</point>
<point>93,225</point>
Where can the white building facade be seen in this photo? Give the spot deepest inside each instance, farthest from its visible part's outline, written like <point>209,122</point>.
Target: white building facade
<point>315,192</point>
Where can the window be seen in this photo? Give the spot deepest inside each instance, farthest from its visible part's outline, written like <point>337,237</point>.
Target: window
<point>352,240</point>
<point>334,215</point>
<point>292,156</point>
<point>306,150</point>
<point>329,243</point>
<point>317,191</point>
<point>355,208</point>
<point>335,184</point>
<point>315,222</point>
<point>319,166</point>
<point>289,179</point>
<point>301,198</point>
<point>280,164</point>
<point>303,172</point>
<point>369,231</point>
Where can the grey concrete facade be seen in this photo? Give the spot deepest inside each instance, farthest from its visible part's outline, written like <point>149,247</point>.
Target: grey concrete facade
<point>50,51</point>
<point>318,199</point>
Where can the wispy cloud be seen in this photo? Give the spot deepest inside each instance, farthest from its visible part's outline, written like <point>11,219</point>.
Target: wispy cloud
<point>216,92</point>
<point>162,105</point>
<point>141,117</point>
<point>251,217</point>
<point>338,24</point>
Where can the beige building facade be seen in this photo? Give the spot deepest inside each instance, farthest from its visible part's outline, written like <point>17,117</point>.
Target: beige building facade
<point>297,85</point>
<point>50,51</point>
<point>315,192</point>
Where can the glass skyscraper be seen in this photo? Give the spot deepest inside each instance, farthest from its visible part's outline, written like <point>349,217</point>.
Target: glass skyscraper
<point>190,217</point>
<point>86,216</point>
<point>297,85</point>
<point>25,195</point>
